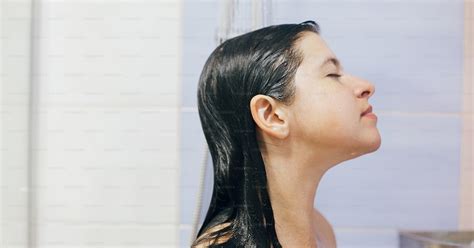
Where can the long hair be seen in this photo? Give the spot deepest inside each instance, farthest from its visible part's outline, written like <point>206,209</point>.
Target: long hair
<point>263,61</point>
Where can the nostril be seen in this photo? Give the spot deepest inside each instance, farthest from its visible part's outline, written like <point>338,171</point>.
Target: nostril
<point>364,93</point>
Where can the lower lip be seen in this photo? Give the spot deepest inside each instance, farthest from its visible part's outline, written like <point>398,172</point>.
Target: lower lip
<point>370,115</point>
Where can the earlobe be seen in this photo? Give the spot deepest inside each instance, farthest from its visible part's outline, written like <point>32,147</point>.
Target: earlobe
<point>281,130</point>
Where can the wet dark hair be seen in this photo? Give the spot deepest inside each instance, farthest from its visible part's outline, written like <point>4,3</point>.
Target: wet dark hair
<point>263,61</point>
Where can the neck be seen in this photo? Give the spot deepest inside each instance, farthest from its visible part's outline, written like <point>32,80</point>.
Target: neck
<point>293,178</point>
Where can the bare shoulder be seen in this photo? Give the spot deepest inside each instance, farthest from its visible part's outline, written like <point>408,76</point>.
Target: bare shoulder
<point>205,239</point>
<point>326,229</point>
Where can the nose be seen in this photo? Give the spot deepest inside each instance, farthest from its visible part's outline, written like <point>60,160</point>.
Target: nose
<point>362,87</point>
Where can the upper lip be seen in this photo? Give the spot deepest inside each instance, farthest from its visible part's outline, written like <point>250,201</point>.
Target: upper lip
<point>368,110</point>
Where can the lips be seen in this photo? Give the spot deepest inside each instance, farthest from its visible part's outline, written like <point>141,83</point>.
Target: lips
<point>368,110</point>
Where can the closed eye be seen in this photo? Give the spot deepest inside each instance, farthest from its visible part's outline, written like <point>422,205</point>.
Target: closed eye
<point>334,75</point>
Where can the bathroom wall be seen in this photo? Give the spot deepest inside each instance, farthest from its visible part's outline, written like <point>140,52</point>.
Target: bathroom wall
<point>466,215</point>
<point>199,29</point>
<point>90,127</point>
<point>108,123</point>
<point>412,52</point>
<point>14,114</point>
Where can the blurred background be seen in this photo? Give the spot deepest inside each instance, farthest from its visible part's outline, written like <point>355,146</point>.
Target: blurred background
<point>101,143</point>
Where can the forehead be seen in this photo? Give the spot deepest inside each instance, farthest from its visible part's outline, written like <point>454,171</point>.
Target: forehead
<point>314,49</point>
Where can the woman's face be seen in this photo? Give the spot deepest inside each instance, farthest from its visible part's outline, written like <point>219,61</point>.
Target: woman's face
<point>327,110</point>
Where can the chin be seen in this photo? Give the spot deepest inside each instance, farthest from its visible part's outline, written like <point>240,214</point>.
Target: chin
<point>373,146</point>
<point>366,148</point>
<point>372,142</point>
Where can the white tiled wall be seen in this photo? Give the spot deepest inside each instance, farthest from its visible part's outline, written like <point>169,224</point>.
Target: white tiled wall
<point>105,139</point>
<point>108,123</point>
<point>412,52</point>
<point>15,61</point>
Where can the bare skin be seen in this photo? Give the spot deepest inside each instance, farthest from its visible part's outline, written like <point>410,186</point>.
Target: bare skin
<point>299,143</point>
<point>324,232</point>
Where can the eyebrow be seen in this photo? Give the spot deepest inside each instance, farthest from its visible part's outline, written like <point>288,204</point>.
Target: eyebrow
<point>332,60</point>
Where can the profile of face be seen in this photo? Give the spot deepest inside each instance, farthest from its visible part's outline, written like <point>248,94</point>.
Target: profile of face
<point>325,116</point>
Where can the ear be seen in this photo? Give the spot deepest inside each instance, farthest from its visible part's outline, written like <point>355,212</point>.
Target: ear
<point>270,116</point>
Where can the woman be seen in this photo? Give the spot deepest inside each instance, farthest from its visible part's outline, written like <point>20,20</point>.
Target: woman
<point>278,111</point>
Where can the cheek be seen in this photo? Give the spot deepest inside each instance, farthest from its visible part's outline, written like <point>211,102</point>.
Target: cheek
<point>328,118</point>
<point>344,117</point>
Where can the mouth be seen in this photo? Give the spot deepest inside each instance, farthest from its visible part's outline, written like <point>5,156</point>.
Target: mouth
<point>368,114</point>
<point>367,111</point>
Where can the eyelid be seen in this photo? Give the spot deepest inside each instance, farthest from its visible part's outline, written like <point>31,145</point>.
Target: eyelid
<point>333,75</point>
